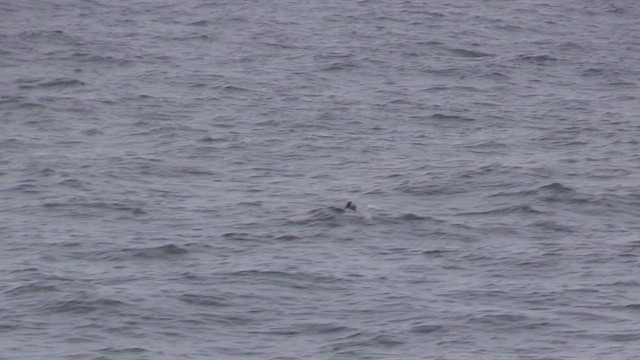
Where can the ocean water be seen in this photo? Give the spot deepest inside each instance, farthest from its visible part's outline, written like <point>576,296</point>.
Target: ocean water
<point>173,176</point>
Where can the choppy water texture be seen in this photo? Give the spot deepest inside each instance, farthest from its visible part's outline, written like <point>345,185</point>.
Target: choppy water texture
<point>173,174</point>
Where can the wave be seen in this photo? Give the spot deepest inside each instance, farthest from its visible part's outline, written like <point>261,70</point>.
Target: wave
<point>365,215</point>
<point>360,339</point>
<point>561,196</point>
<point>205,300</point>
<point>61,83</point>
<point>291,279</point>
<point>162,252</point>
<point>425,329</point>
<point>551,190</point>
<point>517,209</point>
<point>450,118</point>
<point>536,59</point>
<point>307,329</point>
<point>30,289</point>
<point>81,303</point>
<point>471,53</point>
<point>82,208</point>
<point>57,37</point>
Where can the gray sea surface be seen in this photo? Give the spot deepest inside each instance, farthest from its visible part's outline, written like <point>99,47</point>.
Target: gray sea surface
<point>173,177</point>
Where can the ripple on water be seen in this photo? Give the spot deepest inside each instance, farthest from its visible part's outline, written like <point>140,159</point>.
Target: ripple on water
<point>168,173</point>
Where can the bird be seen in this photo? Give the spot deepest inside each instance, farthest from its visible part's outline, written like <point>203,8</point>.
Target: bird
<point>351,206</point>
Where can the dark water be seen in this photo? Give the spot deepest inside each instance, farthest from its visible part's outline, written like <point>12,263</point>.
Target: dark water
<point>172,178</point>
